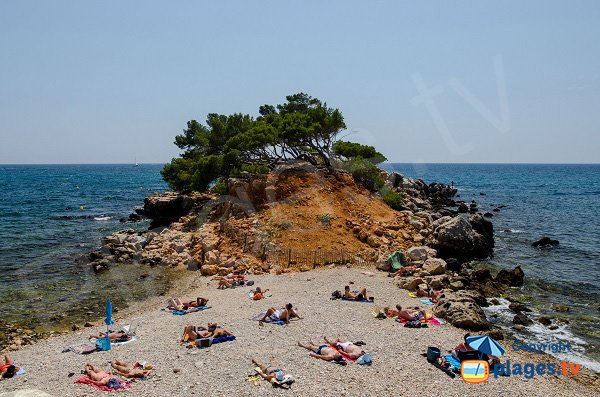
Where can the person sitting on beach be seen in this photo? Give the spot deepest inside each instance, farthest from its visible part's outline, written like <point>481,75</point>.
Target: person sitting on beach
<point>8,369</point>
<point>191,333</point>
<point>258,294</point>
<point>414,316</point>
<point>324,352</point>
<point>362,294</point>
<point>284,315</point>
<point>272,371</point>
<point>404,269</point>
<point>462,347</point>
<point>349,348</point>
<point>134,370</point>
<point>178,304</point>
<point>101,378</point>
<point>113,336</point>
<point>431,294</point>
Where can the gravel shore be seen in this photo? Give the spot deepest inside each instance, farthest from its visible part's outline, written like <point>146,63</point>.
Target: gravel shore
<point>398,368</point>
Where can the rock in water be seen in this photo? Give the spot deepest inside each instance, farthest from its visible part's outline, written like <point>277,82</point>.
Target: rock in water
<point>522,319</point>
<point>513,278</point>
<point>544,242</point>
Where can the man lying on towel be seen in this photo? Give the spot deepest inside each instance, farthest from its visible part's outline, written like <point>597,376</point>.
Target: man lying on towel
<point>178,304</point>
<point>324,352</point>
<point>113,336</point>
<point>431,294</point>
<point>284,315</point>
<point>191,333</point>
<point>134,370</point>
<point>349,348</point>
<point>361,296</point>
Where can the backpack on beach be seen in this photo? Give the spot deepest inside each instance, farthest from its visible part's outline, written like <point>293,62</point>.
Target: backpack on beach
<point>336,295</point>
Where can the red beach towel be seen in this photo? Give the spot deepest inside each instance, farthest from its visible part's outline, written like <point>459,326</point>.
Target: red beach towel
<point>87,381</point>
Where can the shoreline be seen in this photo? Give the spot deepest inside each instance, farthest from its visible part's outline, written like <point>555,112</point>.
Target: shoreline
<point>396,350</point>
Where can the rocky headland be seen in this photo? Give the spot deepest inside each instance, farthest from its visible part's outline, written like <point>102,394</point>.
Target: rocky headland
<point>300,217</point>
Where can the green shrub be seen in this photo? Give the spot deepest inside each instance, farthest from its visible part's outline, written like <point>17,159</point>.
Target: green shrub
<point>325,219</point>
<point>221,187</point>
<point>365,173</point>
<point>391,198</point>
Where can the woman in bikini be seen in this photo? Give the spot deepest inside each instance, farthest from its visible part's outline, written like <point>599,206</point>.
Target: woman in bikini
<point>8,369</point>
<point>350,349</point>
<point>324,352</point>
<point>191,333</point>
<point>101,378</point>
<point>130,370</point>
<point>362,294</point>
<point>113,336</point>
<point>271,371</point>
<point>177,304</point>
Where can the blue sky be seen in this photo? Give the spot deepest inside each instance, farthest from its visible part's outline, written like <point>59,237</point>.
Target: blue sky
<point>104,82</point>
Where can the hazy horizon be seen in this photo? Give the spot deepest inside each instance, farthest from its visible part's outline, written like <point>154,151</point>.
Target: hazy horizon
<point>450,83</point>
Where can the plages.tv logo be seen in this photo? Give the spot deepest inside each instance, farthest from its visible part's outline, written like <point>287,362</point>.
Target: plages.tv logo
<point>475,371</point>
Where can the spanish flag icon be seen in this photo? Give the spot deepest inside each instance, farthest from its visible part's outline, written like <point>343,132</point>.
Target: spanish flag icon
<point>475,371</point>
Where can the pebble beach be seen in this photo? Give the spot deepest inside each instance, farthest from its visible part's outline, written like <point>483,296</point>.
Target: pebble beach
<point>398,366</point>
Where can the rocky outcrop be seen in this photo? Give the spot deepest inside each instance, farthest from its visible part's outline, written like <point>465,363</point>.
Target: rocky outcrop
<point>167,208</point>
<point>512,278</point>
<point>464,238</point>
<point>545,242</point>
<point>462,309</point>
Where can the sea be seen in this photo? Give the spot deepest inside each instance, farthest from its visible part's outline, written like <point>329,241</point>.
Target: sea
<point>52,215</point>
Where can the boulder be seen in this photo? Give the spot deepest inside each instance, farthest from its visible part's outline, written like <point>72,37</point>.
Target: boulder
<point>417,253</point>
<point>209,270</point>
<point>453,265</point>
<point>545,242</point>
<point>373,241</point>
<point>464,238</point>
<point>545,321</point>
<point>522,319</point>
<point>461,309</point>
<point>211,257</point>
<point>457,285</point>
<point>513,278</point>
<point>518,307</point>
<point>410,283</point>
<point>434,266</point>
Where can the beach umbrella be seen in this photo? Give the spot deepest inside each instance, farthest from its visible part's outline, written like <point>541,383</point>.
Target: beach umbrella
<point>485,345</point>
<point>108,321</point>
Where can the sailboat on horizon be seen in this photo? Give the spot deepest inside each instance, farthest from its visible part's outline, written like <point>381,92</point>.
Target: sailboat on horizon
<point>135,161</point>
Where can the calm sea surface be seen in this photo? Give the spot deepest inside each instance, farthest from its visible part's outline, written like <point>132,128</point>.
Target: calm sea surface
<point>51,214</point>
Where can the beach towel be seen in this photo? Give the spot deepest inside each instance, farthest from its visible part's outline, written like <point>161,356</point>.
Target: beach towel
<point>222,339</point>
<point>429,319</point>
<point>122,385</point>
<point>426,301</point>
<point>454,362</point>
<point>84,348</point>
<point>396,259</point>
<point>359,300</point>
<point>190,310</point>
<point>412,295</point>
<point>287,378</point>
<point>251,296</point>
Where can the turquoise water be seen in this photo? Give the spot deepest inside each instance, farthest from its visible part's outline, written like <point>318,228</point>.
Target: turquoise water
<point>52,214</point>
<point>559,201</point>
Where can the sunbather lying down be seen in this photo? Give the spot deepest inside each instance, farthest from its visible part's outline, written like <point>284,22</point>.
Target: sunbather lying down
<point>134,370</point>
<point>231,280</point>
<point>8,369</point>
<point>349,348</point>
<point>273,372</point>
<point>413,315</point>
<point>191,333</point>
<point>362,294</point>
<point>113,336</point>
<point>285,314</point>
<point>403,270</point>
<point>101,378</point>
<point>324,352</point>
<point>178,304</point>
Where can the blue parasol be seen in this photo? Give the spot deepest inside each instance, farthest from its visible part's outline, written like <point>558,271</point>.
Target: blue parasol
<point>486,345</point>
<point>108,321</point>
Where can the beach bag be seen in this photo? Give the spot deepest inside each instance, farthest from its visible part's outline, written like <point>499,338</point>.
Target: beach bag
<point>433,353</point>
<point>336,295</point>
<point>103,344</point>
<point>204,342</point>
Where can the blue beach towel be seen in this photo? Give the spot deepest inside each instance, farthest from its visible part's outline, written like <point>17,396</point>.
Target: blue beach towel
<point>426,301</point>
<point>453,361</point>
<point>222,339</point>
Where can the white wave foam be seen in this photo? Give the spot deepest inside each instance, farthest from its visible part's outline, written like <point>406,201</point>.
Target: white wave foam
<point>102,218</point>
<point>502,316</point>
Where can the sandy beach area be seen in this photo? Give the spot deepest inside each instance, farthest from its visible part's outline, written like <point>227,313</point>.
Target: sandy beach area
<point>398,367</point>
